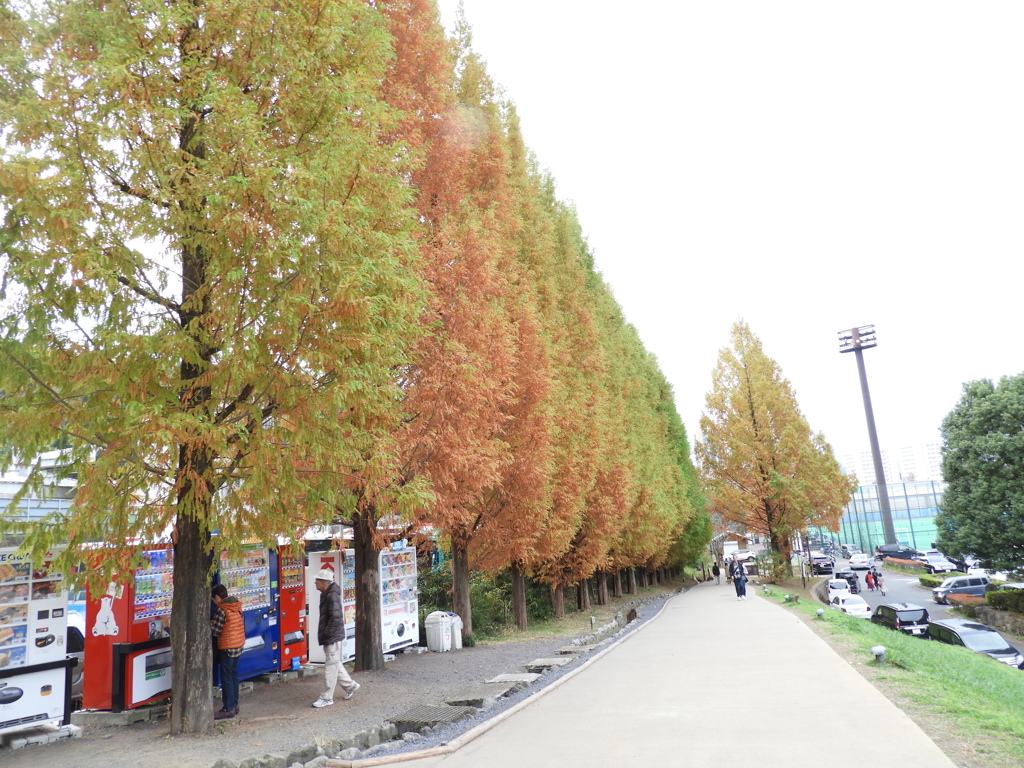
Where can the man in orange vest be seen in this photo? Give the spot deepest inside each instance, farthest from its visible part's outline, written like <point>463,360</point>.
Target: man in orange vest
<point>229,629</point>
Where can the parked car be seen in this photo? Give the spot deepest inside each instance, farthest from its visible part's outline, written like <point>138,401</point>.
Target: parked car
<point>854,605</point>
<point>905,617</point>
<point>821,564</point>
<point>960,585</point>
<point>838,587</point>
<point>980,638</point>
<point>850,577</point>
<point>900,551</point>
<point>938,564</point>
<point>860,561</point>
<point>743,555</point>
<point>848,550</point>
<point>76,648</point>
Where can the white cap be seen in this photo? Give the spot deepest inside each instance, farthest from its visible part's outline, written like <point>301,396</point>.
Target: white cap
<point>325,574</point>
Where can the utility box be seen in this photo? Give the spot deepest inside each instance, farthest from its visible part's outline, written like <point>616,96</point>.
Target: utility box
<point>439,632</point>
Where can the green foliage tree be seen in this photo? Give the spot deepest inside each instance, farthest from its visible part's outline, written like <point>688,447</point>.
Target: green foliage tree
<point>762,467</point>
<point>208,278</point>
<point>982,510</point>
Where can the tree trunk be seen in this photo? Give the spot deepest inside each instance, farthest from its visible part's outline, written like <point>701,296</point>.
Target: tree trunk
<point>460,583</point>
<point>583,594</point>
<point>617,585</point>
<point>631,582</point>
<point>369,647</point>
<point>519,596</point>
<point>558,601</point>
<point>191,648</point>
<point>602,588</point>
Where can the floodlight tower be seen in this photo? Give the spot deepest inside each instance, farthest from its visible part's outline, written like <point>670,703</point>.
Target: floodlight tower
<point>856,340</point>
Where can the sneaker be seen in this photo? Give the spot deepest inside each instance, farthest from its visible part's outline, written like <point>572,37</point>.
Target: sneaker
<point>323,703</point>
<point>224,714</point>
<point>349,694</point>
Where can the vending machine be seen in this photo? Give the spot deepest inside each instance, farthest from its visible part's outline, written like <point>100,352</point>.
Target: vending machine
<point>127,638</point>
<point>399,598</point>
<point>292,603</point>
<point>253,579</point>
<point>342,565</point>
<point>35,671</point>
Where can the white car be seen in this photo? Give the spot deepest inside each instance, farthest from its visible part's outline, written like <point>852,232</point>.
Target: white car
<point>838,587</point>
<point>854,605</point>
<point>743,555</point>
<point>861,561</point>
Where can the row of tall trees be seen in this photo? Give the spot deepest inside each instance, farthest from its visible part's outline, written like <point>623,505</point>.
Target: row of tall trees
<point>270,265</point>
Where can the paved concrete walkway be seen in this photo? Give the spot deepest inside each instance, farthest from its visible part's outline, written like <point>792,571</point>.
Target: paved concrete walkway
<point>711,681</point>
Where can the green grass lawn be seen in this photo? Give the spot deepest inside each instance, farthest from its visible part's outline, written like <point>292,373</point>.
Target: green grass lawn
<point>978,699</point>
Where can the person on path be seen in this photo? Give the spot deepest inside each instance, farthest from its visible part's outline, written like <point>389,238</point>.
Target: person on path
<point>739,579</point>
<point>228,628</point>
<point>869,579</point>
<point>329,633</point>
<point>880,583</point>
<point>717,573</point>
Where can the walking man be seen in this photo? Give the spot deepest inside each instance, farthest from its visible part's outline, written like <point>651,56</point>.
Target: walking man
<point>329,633</point>
<point>717,573</point>
<point>739,578</point>
<point>228,628</point>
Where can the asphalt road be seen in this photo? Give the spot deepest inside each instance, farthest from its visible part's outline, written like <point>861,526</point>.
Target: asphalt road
<point>904,588</point>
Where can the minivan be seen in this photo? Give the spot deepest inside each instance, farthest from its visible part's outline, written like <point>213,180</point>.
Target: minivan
<point>899,551</point>
<point>980,638</point>
<point>905,617</point>
<point>960,585</point>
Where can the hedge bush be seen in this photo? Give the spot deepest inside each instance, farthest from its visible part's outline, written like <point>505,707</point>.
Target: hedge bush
<point>931,580</point>
<point>1006,600</point>
<point>906,565</point>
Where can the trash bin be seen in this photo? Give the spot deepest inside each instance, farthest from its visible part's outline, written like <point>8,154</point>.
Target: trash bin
<point>439,632</point>
<point>456,631</point>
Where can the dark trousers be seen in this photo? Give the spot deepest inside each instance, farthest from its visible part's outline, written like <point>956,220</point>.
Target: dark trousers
<point>741,586</point>
<point>229,680</point>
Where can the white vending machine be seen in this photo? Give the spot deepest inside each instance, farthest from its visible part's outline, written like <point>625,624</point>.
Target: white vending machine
<point>399,601</point>
<point>399,598</point>
<point>35,671</point>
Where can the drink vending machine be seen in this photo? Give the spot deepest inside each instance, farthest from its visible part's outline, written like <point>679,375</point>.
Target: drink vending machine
<point>127,638</point>
<point>342,565</point>
<point>294,648</point>
<point>35,671</point>
<point>398,595</point>
<point>253,579</point>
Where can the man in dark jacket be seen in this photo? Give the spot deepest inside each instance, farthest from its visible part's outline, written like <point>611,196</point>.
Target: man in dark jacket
<point>329,633</point>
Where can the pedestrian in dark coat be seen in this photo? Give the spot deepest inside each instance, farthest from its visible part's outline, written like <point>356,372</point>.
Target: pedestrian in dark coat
<point>329,633</point>
<point>739,579</point>
<point>717,573</point>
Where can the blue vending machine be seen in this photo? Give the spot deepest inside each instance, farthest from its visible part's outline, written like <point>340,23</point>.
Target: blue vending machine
<point>253,579</point>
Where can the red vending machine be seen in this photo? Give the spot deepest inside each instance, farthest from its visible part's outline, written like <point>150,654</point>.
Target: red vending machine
<point>292,606</point>
<point>127,638</point>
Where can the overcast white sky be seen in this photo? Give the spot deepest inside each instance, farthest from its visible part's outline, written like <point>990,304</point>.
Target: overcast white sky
<point>807,166</point>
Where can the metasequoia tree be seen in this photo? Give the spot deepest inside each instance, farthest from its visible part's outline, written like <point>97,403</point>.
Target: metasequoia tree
<point>208,275</point>
<point>761,465</point>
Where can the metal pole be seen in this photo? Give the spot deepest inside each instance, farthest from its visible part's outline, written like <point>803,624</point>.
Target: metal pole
<point>876,453</point>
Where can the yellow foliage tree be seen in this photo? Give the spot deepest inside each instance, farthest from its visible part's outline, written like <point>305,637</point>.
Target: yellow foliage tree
<point>761,465</point>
